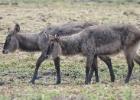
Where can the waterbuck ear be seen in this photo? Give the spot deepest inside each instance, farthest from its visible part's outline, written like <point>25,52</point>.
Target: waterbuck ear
<point>56,37</point>
<point>17,28</point>
<point>51,37</point>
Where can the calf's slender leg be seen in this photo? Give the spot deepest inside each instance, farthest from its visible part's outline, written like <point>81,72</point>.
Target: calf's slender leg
<point>88,66</point>
<point>107,61</point>
<point>38,63</point>
<point>96,70</point>
<point>57,67</point>
<point>129,58</point>
<point>92,69</point>
<point>130,68</point>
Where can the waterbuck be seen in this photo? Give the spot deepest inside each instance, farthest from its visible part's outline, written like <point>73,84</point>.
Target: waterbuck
<point>38,42</point>
<point>96,41</point>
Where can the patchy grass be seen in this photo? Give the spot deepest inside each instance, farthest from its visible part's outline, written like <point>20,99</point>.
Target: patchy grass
<point>16,73</point>
<point>17,69</point>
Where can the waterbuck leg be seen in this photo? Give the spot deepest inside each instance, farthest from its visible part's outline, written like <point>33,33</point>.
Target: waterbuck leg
<point>88,66</point>
<point>57,67</point>
<point>107,61</point>
<point>93,68</point>
<point>137,59</point>
<point>87,72</point>
<point>38,63</point>
<point>96,71</point>
<point>130,66</point>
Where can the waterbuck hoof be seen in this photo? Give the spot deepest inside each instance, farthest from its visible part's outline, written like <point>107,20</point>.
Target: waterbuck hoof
<point>97,81</point>
<point>113,79</point>
<point>126,81</point>
<point>58,82</point>
<point>32,82</point>
<point>86,82</point>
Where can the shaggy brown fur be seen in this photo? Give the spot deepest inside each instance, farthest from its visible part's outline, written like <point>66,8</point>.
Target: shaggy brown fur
<point>99,40</point>
<point>38,42</point>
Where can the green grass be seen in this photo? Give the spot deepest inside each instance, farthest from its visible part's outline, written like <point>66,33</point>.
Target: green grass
<point>16,73</point>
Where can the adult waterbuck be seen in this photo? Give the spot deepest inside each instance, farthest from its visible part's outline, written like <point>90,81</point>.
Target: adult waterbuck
<point>96,41</point>
<point>38,42</point>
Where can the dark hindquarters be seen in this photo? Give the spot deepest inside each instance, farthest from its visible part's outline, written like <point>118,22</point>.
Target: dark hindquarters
<point>107,61</point>
<point>57,67</point>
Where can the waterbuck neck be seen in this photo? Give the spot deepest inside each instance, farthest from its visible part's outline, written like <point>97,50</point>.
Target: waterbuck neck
<point>70,44</point>
<point>28,42</point>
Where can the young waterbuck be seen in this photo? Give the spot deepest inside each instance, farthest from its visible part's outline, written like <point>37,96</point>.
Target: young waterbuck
<point>38,42</point>
<point>96,41</point>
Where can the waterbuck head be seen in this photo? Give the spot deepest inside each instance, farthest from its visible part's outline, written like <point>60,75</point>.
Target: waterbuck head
<point>11,42</point>
<point>54,48</point>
